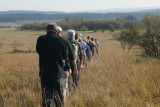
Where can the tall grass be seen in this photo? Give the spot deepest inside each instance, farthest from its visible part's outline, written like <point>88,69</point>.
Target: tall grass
<point>114,79</point>
<point>117,79</point>
<point>19,81</point>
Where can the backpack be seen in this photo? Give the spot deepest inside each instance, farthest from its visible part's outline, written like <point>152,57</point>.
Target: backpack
<point>74,48</point>
<point>83,45</point>
<point>79,49</point>
<point>92,44</point>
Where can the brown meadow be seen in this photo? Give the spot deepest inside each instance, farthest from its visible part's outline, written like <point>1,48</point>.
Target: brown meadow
<point>114,79</point>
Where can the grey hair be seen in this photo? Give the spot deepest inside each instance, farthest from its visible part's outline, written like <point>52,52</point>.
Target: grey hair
<point>71,33</point>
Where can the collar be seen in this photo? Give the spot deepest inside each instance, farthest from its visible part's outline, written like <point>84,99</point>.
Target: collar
<point>50,32</point>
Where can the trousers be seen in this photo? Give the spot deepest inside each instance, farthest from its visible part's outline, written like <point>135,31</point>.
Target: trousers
<point>52,92</point>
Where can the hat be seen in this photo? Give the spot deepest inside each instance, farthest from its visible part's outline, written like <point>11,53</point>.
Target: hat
<point>59,29</point>
<point>79,34</point>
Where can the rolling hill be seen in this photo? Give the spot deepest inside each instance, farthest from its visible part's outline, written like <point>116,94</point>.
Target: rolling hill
<point>21,15</point>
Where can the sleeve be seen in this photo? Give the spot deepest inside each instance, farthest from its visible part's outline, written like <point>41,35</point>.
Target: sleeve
<point>38,51</point>
<point>80,50</point>
<point>38,45</point>
<point>71,54</point>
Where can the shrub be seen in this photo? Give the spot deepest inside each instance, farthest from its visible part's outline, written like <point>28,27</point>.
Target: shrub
<point>129,38</point>
<point>15,45</point>
<point>147,37</point>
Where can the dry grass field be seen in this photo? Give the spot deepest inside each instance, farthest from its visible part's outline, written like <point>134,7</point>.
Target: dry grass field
<point>114,79</point>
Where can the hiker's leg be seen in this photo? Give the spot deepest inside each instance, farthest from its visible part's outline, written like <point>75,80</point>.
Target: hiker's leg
<point>65,90</point>
<point>73,79</point>
<point>47,93</point>
<point>77,79</point>
<point>44,101</point>
<point>58,92</point>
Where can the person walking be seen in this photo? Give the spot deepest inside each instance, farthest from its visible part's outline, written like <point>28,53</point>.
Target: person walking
<point>88,50</point>
<point>53,51</point>
<point>67,70</point>
<point>77,48</point>
<point>80,58</point>
<point>83,45</point>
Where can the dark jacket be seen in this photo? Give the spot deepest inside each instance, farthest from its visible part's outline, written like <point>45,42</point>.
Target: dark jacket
<point>53,52</point>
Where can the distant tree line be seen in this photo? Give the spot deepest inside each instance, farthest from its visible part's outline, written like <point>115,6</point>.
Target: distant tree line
<point>62,16</point>
<point>129,18</point>
<point>5,26</point>
<point>147,37</point>
<point>33,26</point>
<point>84,25</point>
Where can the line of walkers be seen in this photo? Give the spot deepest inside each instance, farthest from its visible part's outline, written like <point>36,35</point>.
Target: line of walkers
<point>60,63</point>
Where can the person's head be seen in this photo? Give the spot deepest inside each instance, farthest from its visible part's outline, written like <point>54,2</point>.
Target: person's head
<point>95,40</point>
<point>71,34</point>
<point>52,27</point>
<point>59,29</point>
<point>76,37</point>
<point>80,39</point>
<point>88,37</point>
<point>92,39</point>
<point>80,35</point>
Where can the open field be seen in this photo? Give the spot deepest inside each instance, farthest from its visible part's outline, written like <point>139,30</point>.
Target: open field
<point>26,38</point>
<point>114,79</point>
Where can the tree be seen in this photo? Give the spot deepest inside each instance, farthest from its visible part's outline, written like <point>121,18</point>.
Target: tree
<point>129,38</point>
<point>146,37</point>
<point>83,28</point>
<point>150,40</point>
<point>68,19</point>
<point>129,17</point>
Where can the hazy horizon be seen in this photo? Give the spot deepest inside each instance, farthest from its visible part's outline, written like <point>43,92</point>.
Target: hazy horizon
<point>112,9</point>
<point>75,6</point>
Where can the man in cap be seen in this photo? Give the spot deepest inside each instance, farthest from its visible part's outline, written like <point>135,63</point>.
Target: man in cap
<point>53,51</point>
<point>59,29</point>
<point>67,70</point>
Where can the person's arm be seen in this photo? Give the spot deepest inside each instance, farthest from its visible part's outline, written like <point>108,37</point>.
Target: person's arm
<point>70,71</point>
<point>84,57</point>
<point>81,57</point>
<point>80,65</point>
<point>37,45</point>
<point>75,68</point>
<point>72,59</point>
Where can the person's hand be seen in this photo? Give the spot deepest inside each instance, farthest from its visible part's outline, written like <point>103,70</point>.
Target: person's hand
<point>70,71</point>
<point>75,73</point>
<point>79,66</point>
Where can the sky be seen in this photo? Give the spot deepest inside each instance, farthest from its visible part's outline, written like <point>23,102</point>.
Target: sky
<point>73,5</point>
